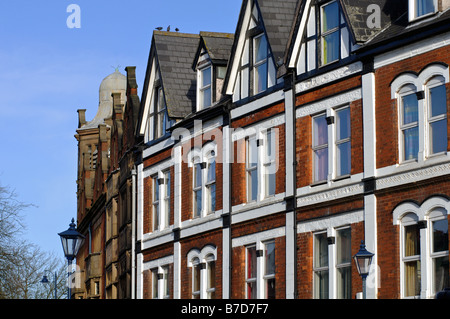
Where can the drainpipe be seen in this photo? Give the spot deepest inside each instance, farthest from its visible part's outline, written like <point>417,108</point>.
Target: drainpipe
<point>294,176</point>
<point>133,233</point>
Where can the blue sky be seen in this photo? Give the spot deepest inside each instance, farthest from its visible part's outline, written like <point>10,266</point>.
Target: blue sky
<point>48,71</point>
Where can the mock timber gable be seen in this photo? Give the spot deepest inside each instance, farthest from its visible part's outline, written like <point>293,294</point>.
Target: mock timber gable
<point>170,84</point>
<point>261,39</point>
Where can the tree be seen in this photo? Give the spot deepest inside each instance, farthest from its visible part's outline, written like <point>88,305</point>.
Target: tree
<point>23,264</point>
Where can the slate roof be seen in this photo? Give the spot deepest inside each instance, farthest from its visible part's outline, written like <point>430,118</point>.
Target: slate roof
<point>358,13</point>
<point>401,28</point>
<point>278,18</point>
<point>218,45</point>
<point>175,52</point>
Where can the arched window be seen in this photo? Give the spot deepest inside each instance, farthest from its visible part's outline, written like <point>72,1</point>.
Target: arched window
<point>423,247</point>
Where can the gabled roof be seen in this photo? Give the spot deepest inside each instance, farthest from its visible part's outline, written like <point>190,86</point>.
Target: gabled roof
<point>357,15</point>
<point>359,12</point>
<point>217,45</point>
<point>277,19</point>
<point>175,53</point>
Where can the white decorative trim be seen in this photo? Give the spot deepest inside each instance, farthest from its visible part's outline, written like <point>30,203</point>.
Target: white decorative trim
<point>412,50</point>
<point>413,176</point>
<point>156,148</point>
<point>310,195</point>
<point>262,208</point>
<point>258,237</point>
<point>330,222</point>
<point>329,77</point>
<point>253,106</point>
<point>201,254</point>
<point>159,167</point>
<point>157,263</point>
<point>332,102</point>
<point>298,40</point>
<point>421,211</point>
<point>255,129</point>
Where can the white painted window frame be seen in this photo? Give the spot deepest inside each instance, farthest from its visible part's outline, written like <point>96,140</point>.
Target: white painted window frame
<point>412,10</point>
<point>201,258</point>
<point>421,83</point>
<point>432,209</point>
<point>201,89</point>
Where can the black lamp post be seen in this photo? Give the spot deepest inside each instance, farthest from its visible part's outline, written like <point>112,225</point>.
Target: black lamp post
<point>45,281</point>
<point>71,241</point>
<point>363,259</point>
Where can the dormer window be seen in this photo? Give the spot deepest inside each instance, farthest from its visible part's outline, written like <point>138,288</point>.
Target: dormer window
<point>205,89</point>
<point>421,8</point>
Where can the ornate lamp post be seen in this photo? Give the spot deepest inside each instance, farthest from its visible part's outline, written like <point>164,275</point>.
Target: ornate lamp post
<point>71,241</point>
<point>45,281</point>
<point>363,259</point>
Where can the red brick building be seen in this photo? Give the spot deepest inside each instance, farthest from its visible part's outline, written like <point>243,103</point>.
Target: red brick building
<point>269,154</point>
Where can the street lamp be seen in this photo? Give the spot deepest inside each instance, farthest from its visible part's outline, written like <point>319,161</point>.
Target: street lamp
<point>363,259</point>
<point>45,281</point>
<point>71,241</point>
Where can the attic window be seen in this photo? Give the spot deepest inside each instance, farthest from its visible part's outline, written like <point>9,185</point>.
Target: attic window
<point>421,8</point>
<point>260,66</point>
<point>205,89</point>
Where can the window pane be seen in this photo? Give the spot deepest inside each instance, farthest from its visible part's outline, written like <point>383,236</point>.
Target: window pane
<point>251,290</point>
<point>343,124</point>
<point>252,152</point>
<point>261,78</point>
<point>206,77</point>
<point>320,250</point>
<point>412,241</point>
<point>424,6</point>
<point>410,108</point>
<point>156,190</point>
<point>411,143</point>
<point>344,247</point>
<point>320,131</point>
<point>330,47</point>
<point>343,159</point>
<point>270,180</point>
<point>270,288</point>
<point>211,171</point>
<point>344,283</point>
<point>321,284</point>
<point>438,136</point>
<point>440,273</point>
<point>196,279</point>
<point>212,198</point>
<point>270,258</point>
<point>330,16</point>
<point>211,277</point>
<point>438,100</point>
<point>440,235</point>
<point>251,262</point>
<point>198,203</point>
<point>206,97</point>
<point>197,175</point>
<point>320,164</point>
<point>252,185</point>
<point>260,48</point>
<point>154,284</point>
<point>412,278</point>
